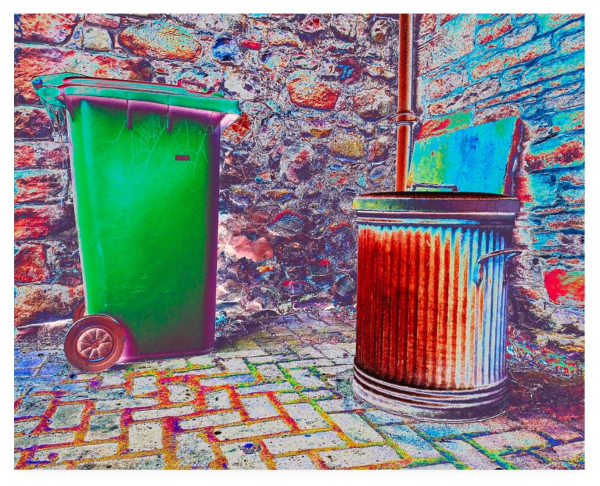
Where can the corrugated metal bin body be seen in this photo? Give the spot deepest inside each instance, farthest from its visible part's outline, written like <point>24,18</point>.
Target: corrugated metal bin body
<point>431,303</point>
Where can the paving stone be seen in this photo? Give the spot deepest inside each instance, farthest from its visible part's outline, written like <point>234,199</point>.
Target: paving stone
<point>305,416</point>
<point>319,395</point>
<point>269,387</point>
<point>111,378</point>
<point>305,363</point>
<point>235,365</point>
<point>578,424</point>
<point>162,412</point>
<point>33,406</point>
<point>289,397</point>
<point>104,426</point>
<point>145,365</point>
<point>382,418</point>
<point>53,370</point>
<point>28,441</point>
<point>210,420</point>
<point>259,407</point>
<point>439,430</point>
<point>32,359</point>
<point>25,372</point>
<point>468,455</point>
<point>306,352</point>
<point>251,430</point>
<point>359,444</point>
<point>106,405</point>
<point>25,426</point>
<point>227,380</point>
<point>101,394</point>
<point>525,461</point>
<point>193,450</point>
<point>333,370</point>
<point>180,393</point>
<point>143,385</point>
<point>334,351</point>
<point>293,443</point>
<point>66,416</point>
<point>502,423</point>
<point>241,353</point>
<point>304,378</point>
<point>550,428</point>
<point>171,364</point>
<point>85,376</point>
<point>511,441</point>
<point>201,372</point>
<point>299,461</point>
<point>206,360</point>
<point>363,456</point>
<point>216,400</point>
<point>568,452</point>
<point>246,344</point>
<point>51,467</point>
<point>355,427</point>
<point>21,387</point>
<point>69,390</point>
<point>155,461</point>
<point>273,358</point>
<point>410,442</point>
<point>76,453</point>
<point>339,405</point>
<point>145,437</point>
<point>270,372</point>
<point>444,466</point>
<point>242,456</point>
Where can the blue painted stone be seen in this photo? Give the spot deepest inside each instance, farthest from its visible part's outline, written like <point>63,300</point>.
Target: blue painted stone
<point>226,49</point>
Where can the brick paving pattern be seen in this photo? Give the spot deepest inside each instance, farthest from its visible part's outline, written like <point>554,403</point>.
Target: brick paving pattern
<point>278,397</point>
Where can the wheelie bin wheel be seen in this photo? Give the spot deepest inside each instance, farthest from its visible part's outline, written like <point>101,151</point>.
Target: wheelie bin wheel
<point>79,311</point>
<point>95,343</point>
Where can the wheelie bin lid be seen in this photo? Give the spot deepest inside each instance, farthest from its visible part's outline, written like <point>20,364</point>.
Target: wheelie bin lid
<point>55,89</point>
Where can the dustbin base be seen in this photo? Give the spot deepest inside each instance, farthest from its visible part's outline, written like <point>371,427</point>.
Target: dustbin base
<point>432,405</point>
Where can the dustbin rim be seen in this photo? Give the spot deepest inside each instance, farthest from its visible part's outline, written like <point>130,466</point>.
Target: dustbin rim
<point>437,202</point>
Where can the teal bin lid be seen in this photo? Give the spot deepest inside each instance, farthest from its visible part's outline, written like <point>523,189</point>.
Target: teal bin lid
<point>476,159</point>
<point>54,89</point>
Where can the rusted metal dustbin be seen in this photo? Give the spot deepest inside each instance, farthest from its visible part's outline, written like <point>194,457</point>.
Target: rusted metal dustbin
<point>431,304</point>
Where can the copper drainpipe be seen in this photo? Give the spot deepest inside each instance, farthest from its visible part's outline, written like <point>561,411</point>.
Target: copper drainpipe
<point>405,116</point>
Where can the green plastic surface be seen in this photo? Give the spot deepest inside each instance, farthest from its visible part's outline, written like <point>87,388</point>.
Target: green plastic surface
<point>146,205</point>
<point>52,89</point>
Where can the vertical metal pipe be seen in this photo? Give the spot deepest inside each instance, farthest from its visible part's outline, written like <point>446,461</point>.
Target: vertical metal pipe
<point>405,116</point>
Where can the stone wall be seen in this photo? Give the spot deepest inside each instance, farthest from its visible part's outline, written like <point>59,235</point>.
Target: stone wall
<point>318,95</point>
<point>472,69</point>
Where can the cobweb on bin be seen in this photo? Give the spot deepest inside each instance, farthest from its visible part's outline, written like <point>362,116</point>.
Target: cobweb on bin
<point>60,130</point>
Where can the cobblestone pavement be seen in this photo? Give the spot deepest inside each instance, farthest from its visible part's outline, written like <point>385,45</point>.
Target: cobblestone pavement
<point>278,397</point>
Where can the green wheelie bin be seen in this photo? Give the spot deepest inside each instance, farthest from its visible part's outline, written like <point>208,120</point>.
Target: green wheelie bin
<point>145,162</point>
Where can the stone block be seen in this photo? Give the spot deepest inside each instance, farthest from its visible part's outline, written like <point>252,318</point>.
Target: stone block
<point>363,456</point>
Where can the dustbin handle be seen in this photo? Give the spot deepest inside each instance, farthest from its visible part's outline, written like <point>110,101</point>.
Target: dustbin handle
<point>509,253</point>
<point>428,185</point>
